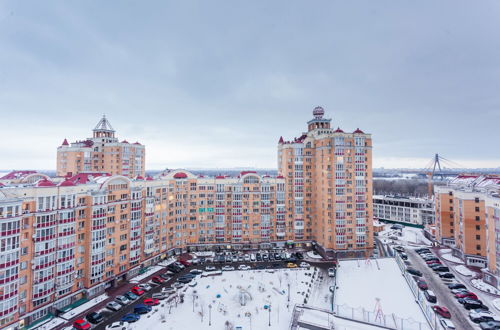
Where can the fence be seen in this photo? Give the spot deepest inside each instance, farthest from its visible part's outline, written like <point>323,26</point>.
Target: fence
<point>426,306</point>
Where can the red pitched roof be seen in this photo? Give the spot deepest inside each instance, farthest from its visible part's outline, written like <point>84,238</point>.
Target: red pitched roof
<point>281,141</point>
<point>137,143</point>
<point>220,177</point>
<point>148,178</point>
<point>247,172</point>
<point>338,130</point>
<point>358,131</point>
<point>16,175</point>
<point>124,141</point>
<point>139,178</point>
<point>83,178</point>
<point>180,175</point>
<point>66,183</point>
<point>45,183</point>
<point>65,143</point>
<point>280,177</point>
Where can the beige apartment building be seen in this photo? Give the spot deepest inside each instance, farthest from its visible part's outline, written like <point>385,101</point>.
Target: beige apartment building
<point>328,175</point>
<point>467,211</point>
<point>103,152</point>
<point>99,223</point>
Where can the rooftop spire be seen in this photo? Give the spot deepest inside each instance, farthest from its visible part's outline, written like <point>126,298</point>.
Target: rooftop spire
<point>104,128</point>
<point>104,125</point>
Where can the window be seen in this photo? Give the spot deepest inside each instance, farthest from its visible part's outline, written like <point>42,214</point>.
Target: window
<point>478,247</point>
<point>477,208</point>
<point>478,237</point>
<point>476,199</point>
<point>478,218</point>
<point>478,227</point>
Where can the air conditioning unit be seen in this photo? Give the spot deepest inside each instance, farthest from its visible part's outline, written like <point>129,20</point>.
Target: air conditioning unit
<point>33,267</point>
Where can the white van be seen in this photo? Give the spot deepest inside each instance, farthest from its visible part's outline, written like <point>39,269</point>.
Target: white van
<point>252,257</point>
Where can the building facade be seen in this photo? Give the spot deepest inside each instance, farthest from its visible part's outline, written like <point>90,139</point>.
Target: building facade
<point>410,211</point>
<point>466,220</point>
<point>101,221</point>
<point>103,152</point>
<point>328,177</point>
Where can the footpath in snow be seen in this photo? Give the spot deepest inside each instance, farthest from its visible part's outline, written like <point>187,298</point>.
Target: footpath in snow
<point>84,307</point>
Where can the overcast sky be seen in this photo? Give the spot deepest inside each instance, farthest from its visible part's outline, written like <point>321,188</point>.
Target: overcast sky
<point>216,83</point>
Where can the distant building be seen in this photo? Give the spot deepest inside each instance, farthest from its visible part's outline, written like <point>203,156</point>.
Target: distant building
<point>410,211</point>
<point>103,152</point>
<point>467,220</point>
<point>328,175</point>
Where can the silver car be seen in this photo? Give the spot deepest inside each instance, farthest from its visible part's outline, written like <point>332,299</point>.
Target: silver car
<point>114,306</point>
<point>122,300</point>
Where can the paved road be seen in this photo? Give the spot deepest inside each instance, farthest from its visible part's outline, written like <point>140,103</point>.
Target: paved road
<point>459,315</point>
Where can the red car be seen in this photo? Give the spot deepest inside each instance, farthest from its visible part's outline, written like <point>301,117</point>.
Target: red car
<point>185,263</point>
<point>151,302</point>
<point>422,285</point>
<point>157,279</point>
<point>470,295</point>
<point>433,262</point>
<point>443,311</point>
<point>137,291</point>
<point>81,324</point>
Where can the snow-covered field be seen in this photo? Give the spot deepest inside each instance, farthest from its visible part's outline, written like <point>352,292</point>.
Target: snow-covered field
<point>360,283</point>
<point>464,270</point>
<point>249,300</point>
<point>479,284</point>
<point>449,257</point>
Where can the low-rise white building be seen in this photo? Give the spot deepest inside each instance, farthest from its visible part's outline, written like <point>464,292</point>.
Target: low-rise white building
<point>409,211</point>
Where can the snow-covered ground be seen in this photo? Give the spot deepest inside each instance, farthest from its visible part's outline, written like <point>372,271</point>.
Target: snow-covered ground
<point>250,300</point>
<point>451,258</point>
<point>52,324</point>
<point>361,283</point>
<point>313,255</point>
<point>84,307</point>
<point>464,270</point>
<point>479,284</point>
<point>406,236</point>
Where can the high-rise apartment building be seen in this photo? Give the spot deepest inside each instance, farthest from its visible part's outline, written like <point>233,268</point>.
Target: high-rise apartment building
<point>467,213</point>
<point>100,222</point>
<point>103,152</point>
<point>328,177</point>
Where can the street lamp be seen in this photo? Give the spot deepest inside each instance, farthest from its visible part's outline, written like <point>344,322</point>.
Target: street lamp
<point>269,309</point>
<point>210,314</point>
<point>289,292</point>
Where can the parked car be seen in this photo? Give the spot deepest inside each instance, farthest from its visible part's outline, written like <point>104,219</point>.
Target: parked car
<point>399,248</point>
<point>173,268</point>
<point>331,272</point>
<point>243,267</point>
<point>94,317</point>
<point>481,317</point>
<point>227,268</point>
<point>490,325</point>
<point>184,280</point>
<point>142,309</point>
<point>168,290</point>
<point>131,296</point>
<point>151,302</point>
<point>433,262</point>
<point>193,284</point>
<point>122,300</point>
<point>81,324</point>
<point>440,269</point>
<point>235,258</point>
<point>456,286</point>
<point>291,265</point>
<point>210,268</point>
<point>472,303</point>
<point>265,257</point>
<point>467,294</point>
<point>137,291</point>
<point>441,310</point>
<point>114,306</point>
<point>299,255</point>
<point>422,285</point>
<point>430,296</point>
<point>455,291</point>
<point>185,263</point>
<point>447,324</point>
<point>165,276</point>
<point>414,272</point>
<point>196,271</point>
<point>177,285</point>
<point>304,265</point>
<point>252,257</point>
<point>145,286</point>
<point>446,275</point>
<point>157,279</point>
<point>131,317</point>
<point>159,295</point>
<point>180,265</point>
<point>403,256</point>
<point>422,250</point>
<point>117,326</point>
<point>258,257</point>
